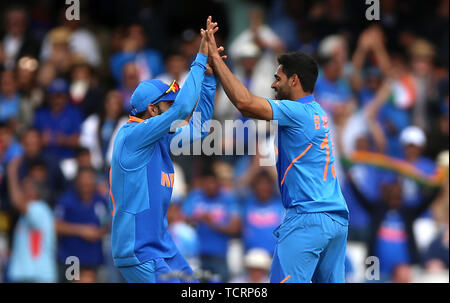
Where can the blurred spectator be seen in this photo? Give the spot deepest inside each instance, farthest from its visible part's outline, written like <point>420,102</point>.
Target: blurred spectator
<point>217,218</point>
<point>262,213</point>
<point>367,178</point>
<point>34,241</point>
<point>177,68</point>
<point>184,235</point>
<point>254,54</point>
<point>56,49</point>
<point>130,82</point>
<point>84,90</point>
<point>332,88</point>
<point>438,136</point>
<point>31,94</point>
<point>34,155</point>
<point>16,40</point>
<point>98,130</point>
<point>257,264</point>
<point>413,140</point>
<point>81,222</point>
<point>9,149</point>
<point>436,257</point>
<point>422,55</point>
<point>9,98</point>
<point>437,254</point>
<point>78,41</point>
<point>190,43</point>
<point>149,62</point>
<point>59,122</point>
<point>391,237</point>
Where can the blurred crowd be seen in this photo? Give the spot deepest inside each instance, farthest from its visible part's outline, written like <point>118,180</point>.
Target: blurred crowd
<point>64,93</point>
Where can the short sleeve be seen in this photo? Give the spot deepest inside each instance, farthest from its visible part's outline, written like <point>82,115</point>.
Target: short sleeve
<point>288,113</point>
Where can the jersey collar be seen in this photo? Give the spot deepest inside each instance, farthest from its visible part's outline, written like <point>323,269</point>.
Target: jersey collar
<point>135,119</point>
<point>307,99</point>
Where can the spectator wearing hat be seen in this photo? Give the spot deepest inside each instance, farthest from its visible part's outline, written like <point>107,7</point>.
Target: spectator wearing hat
<point>59,122</point>
<point>253,55</point>
<point>391,231</point>
<point>414,141</point>
<point>257,264</point>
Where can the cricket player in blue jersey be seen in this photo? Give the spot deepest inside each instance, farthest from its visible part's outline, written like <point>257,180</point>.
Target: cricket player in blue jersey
<point>142,174</point>
<point>311,241</point>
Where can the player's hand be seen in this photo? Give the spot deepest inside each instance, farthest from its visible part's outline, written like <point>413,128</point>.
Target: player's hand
<point>203,44</point>
<point>208,36</point>
<point>209,69</point>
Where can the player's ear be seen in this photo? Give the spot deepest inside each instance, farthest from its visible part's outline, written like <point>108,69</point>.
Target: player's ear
<point>152,110</point>
<point>294,80</point>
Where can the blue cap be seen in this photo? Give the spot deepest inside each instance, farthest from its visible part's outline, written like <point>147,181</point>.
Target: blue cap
<point>148,92</point>
<point>58,85</point>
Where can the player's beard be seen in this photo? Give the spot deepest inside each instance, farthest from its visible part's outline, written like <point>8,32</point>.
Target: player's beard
<point>280,94</point>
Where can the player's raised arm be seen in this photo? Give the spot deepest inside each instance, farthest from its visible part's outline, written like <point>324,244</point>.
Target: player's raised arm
<point>248,104</point>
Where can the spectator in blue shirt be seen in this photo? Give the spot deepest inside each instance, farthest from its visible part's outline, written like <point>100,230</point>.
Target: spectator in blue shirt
<point>217,219</point>
<point>391,237</point>
<point>59,123</point>
<point>9,98</point>
<point>332,89</point>
<point>34,241</point>
<point>262,213</point>
<point>149,61</point>
<point>81,222</point>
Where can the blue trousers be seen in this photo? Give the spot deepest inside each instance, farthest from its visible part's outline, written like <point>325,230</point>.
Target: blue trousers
<point>310,248</point>
<point>160,270</point>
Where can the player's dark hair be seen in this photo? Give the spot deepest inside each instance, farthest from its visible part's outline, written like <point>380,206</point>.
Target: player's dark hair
<point>141,115</point>
<point>303,65</point>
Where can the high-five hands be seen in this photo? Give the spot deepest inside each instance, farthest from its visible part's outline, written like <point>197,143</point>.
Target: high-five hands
<point>209,41</point>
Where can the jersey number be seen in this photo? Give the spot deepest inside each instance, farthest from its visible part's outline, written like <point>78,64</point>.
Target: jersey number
<point>325,144</point>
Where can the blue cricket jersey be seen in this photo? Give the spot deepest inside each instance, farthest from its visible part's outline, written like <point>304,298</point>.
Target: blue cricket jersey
<point>142,173</point>
<point>305,158</point>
